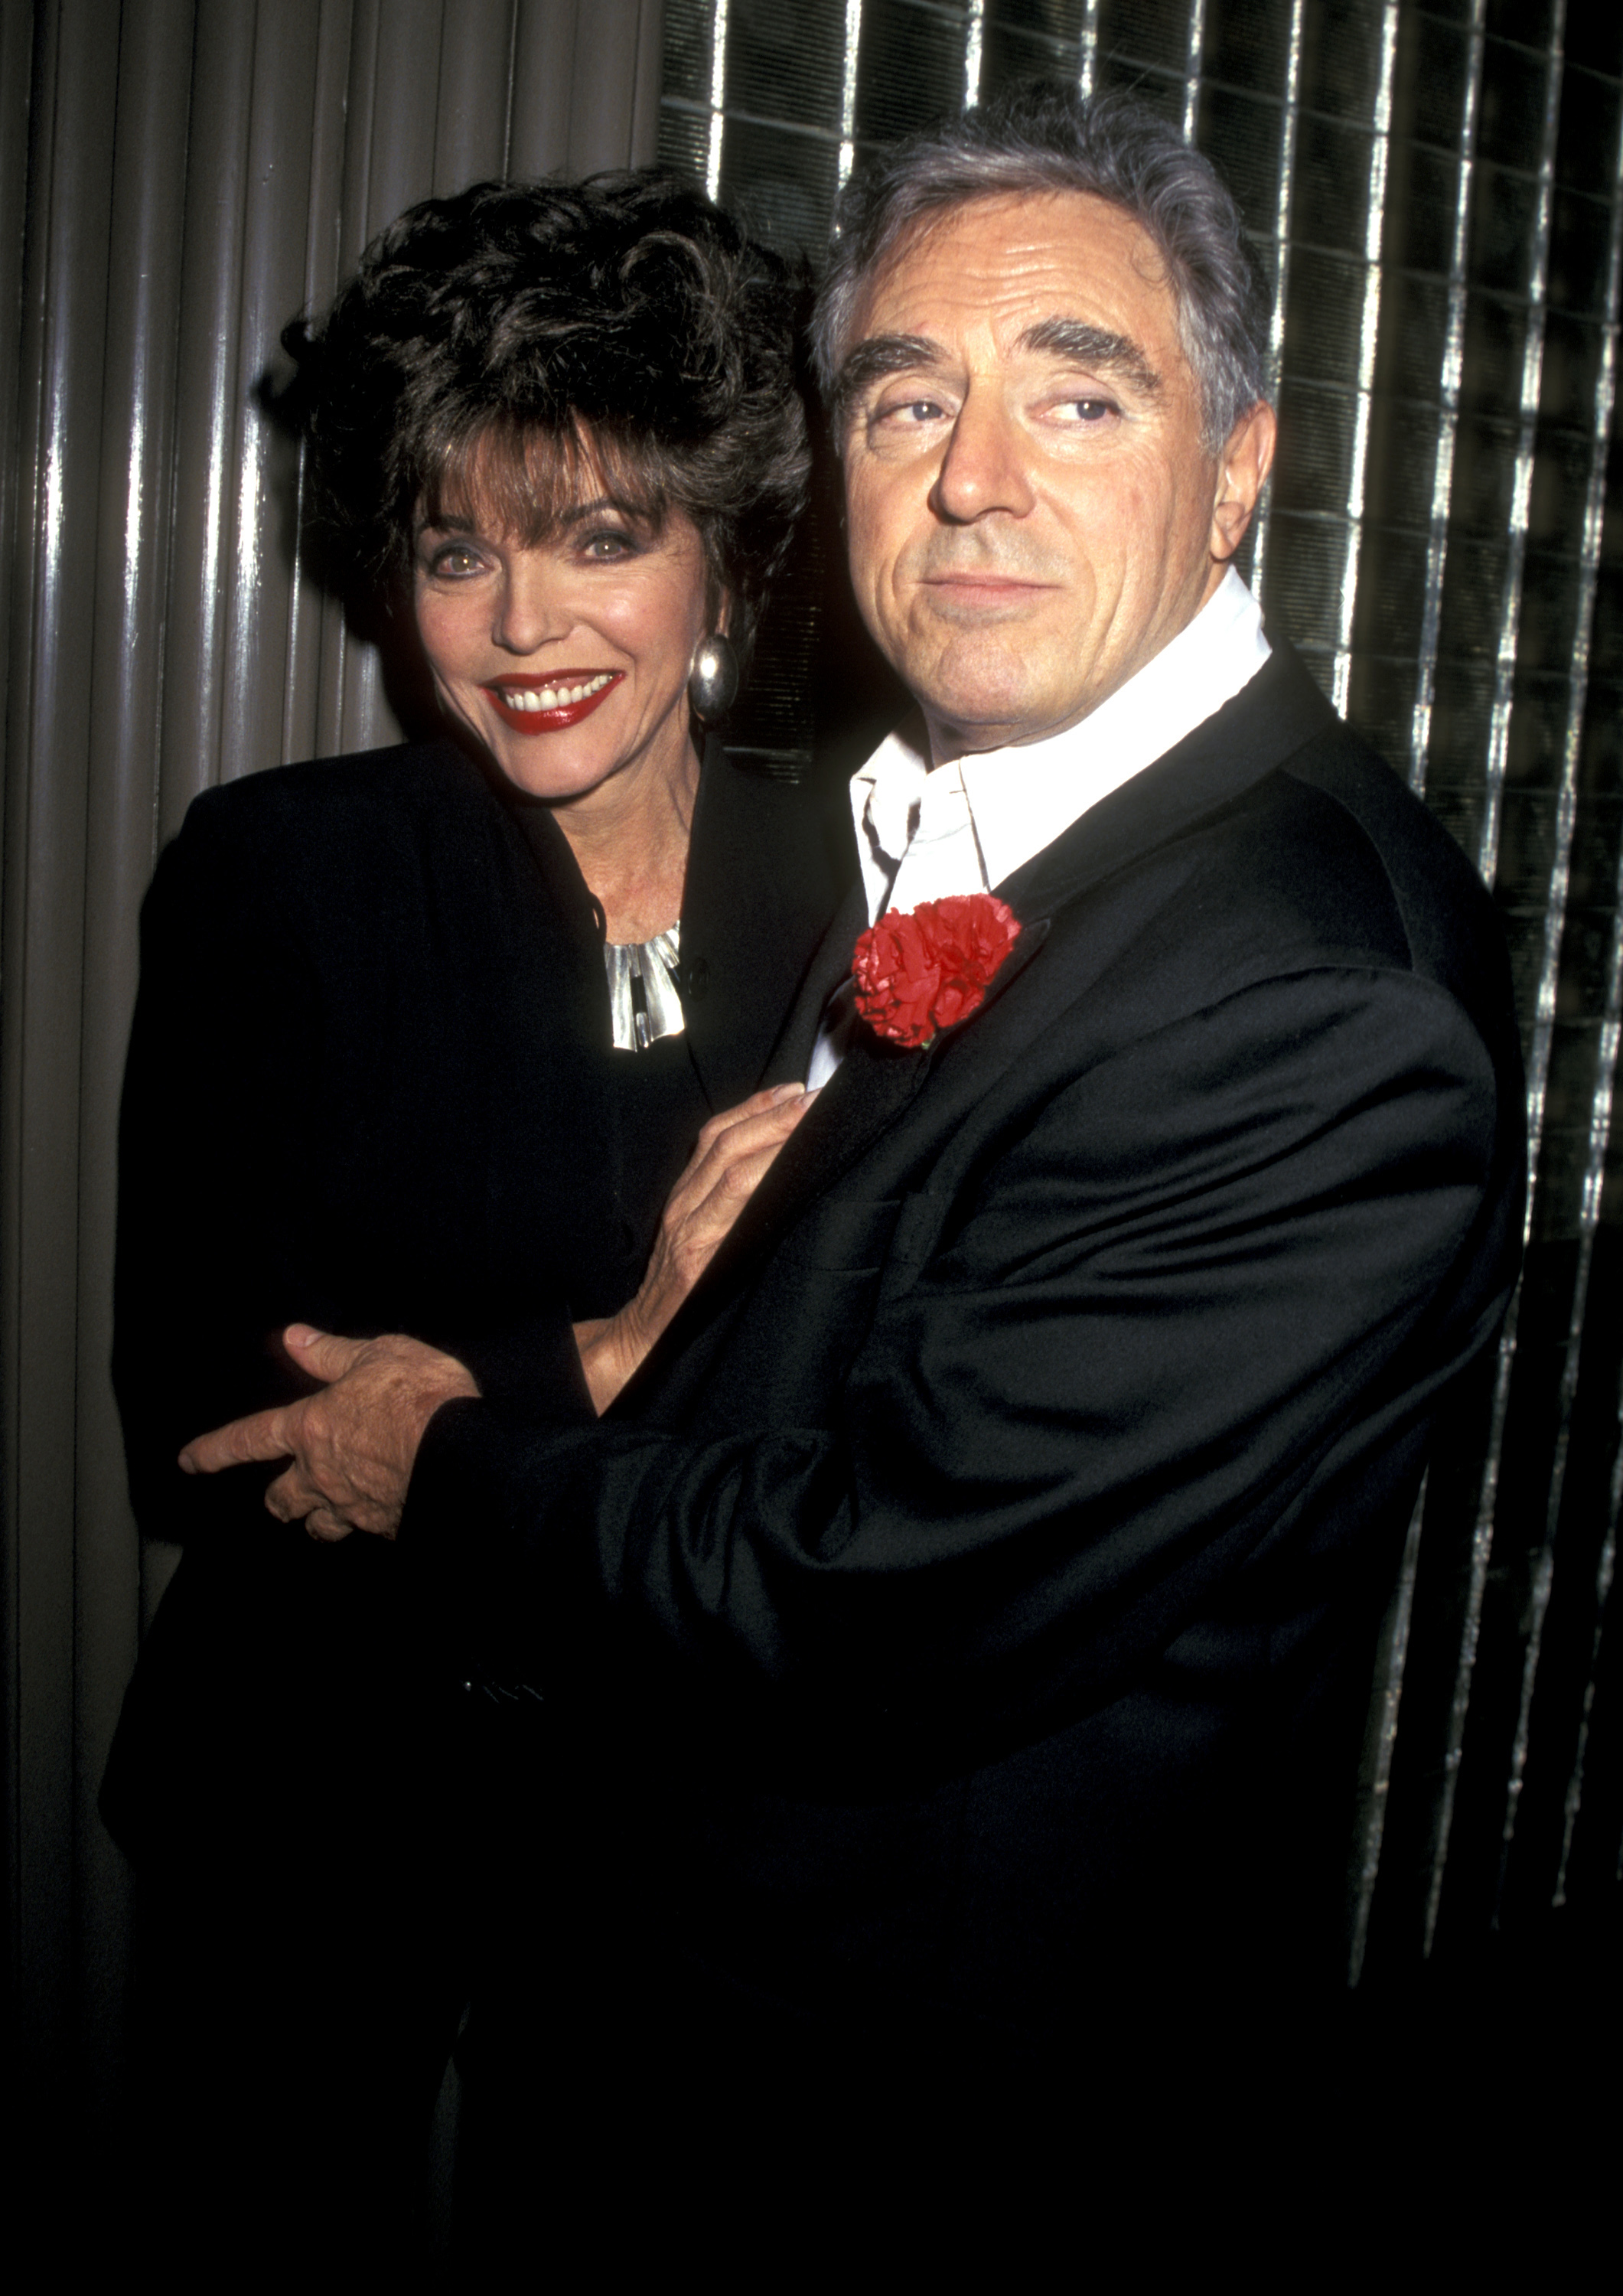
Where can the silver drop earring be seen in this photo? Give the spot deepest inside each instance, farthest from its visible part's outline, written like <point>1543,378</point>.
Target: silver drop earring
<point>712,685</point>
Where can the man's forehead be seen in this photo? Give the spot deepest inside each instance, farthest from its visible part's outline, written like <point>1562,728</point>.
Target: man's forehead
<point>1007,253</point>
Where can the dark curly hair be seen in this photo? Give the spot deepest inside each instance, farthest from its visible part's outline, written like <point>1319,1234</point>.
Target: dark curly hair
<point>496,342</point>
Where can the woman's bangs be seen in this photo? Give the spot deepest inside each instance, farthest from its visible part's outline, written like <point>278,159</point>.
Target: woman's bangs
<point>527,483</point>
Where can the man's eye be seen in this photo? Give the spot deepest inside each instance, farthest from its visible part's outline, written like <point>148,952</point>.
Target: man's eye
<point>910,410</point>
<point>1086,410</point>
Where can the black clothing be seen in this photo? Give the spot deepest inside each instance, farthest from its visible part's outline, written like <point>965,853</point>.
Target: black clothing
<point>996,1542</point>
<point>371,1087</point>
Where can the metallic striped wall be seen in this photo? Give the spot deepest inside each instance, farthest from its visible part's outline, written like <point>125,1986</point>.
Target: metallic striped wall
<point>1435,190</point>
<point>177,178</point>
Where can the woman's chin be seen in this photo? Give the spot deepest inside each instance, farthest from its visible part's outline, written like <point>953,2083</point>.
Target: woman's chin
<point>574,764</point>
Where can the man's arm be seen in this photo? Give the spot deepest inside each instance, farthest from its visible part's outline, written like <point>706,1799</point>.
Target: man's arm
<point>1237,1250</point>
<point>352,1446</point>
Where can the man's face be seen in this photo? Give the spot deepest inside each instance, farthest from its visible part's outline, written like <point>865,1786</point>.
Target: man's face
<point>1032,515</point>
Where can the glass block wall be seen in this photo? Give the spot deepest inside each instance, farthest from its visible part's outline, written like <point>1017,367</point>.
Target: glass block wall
<point>1436,192</point>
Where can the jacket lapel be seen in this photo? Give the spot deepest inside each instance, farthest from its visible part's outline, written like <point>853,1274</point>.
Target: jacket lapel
<point>759,851</point>
<point>832,965</point>
<point>1277,714</point>
<point>1267,722</point>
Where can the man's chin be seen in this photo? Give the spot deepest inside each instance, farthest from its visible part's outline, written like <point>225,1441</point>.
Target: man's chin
<point>987,713</point>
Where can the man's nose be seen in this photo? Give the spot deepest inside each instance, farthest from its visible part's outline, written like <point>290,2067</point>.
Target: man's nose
<point>985,466</point>
<point>531,608</point>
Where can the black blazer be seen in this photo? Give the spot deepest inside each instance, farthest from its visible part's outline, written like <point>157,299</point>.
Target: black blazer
<point>368,1087</point>
<point>997,1539</point>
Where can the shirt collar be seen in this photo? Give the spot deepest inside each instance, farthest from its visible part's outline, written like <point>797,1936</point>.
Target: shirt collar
<point>1003,806</point>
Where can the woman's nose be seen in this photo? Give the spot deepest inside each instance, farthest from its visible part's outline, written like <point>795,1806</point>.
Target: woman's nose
<point>985,466</point>
<point>530,607</point>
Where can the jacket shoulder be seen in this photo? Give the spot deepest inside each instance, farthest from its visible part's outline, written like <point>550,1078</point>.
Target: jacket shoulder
<point>331,843</point>
<point>1448,917</point>
<point>408,778</point>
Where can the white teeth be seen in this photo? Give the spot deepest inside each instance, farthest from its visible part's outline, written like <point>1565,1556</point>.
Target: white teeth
<point>554,697</point>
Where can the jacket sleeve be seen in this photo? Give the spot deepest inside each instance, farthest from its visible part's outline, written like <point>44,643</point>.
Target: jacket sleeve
<point>213,1159</point>
<point>229,1224</point>
<point>1093,1388</point>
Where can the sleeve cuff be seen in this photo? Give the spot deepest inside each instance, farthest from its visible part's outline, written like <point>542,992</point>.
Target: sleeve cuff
<point>533,1367</point>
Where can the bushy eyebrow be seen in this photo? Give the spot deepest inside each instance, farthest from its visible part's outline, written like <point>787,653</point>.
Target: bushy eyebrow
<point>1072,339</point>
<point>880,356</point>
<point>1099,348</point>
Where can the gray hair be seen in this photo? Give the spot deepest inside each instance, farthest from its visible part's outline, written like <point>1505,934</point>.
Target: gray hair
<point>1041,135</point>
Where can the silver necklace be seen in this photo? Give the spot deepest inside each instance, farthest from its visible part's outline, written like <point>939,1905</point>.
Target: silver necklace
<point>644,1005</point>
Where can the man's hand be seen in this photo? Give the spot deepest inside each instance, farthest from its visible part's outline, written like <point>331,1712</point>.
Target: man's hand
<point>734,1152</point>
<point>352,1447</point>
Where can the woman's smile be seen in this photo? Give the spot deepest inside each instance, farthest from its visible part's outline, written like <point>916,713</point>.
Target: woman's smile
<point>536,705</point>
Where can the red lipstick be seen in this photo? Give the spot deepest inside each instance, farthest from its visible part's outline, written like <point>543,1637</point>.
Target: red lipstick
<point>504,690</point>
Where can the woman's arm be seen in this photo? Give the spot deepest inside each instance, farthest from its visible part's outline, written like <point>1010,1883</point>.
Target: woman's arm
<point>352,1446</point>
<point>735,1152</point>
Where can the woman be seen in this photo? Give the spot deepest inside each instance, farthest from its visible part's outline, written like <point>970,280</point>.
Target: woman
<point>424,1037</point>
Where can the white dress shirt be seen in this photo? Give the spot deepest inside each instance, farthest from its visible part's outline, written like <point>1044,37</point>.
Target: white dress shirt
<point>924,832</point>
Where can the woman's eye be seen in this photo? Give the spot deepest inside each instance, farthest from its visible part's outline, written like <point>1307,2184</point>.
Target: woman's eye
<point>609,543</point>
<point>454,560</point>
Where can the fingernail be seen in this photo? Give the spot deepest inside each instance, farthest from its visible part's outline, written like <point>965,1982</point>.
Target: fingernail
<point>782,1092</point>
<point>187,1464</point>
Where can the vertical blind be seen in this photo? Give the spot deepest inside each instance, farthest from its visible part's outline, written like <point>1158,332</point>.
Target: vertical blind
<point>1434,194</point>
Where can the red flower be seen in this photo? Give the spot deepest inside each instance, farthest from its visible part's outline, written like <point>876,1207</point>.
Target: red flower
<point>921,971</point>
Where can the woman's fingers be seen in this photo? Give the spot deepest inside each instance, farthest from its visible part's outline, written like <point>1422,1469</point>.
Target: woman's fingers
<point>725,1159</point>
<point>725,1173</point>
<point>709,1198</point>
<point>735,1151</point>
<point>760,1103</point>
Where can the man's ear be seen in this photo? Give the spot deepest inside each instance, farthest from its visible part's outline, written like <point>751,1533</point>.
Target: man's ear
<point>1241,468</point>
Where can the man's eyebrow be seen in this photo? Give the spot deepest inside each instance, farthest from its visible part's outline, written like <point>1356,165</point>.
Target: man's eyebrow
<point>1075,340</point>
<point>1093,347</point>
<point>880,356</point>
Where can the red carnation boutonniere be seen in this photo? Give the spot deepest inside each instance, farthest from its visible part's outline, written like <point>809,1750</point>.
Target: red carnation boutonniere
<point>921,971</point>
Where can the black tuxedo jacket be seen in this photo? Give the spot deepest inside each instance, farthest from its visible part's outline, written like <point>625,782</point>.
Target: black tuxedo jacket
<point>994,1548</point>
<point>368,1087</point>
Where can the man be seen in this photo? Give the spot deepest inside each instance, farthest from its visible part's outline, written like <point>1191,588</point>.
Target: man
<point>986,1563</point>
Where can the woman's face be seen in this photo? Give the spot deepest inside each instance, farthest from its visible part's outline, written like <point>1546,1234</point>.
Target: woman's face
<point>568,659</point>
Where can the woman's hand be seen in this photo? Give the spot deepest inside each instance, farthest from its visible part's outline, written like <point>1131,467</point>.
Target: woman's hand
<point>352,1447</point>
<point>735,1151</point>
